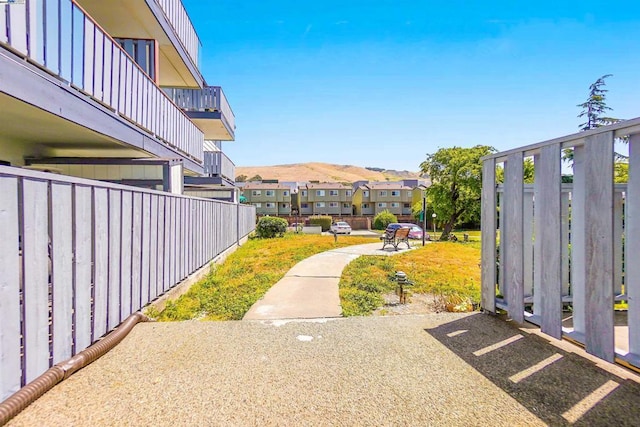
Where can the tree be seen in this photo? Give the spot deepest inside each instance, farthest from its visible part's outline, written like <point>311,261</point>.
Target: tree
<point>456,184</point>
<point>241,178</point>
<point>595,106</point>
<point>255,178</point>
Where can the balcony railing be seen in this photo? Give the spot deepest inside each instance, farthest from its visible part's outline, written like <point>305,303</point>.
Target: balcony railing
<point>66,42</point>
<point>179,19</point>
<point>217,163</point>
<point>211,98</point>
<point>567,244</point>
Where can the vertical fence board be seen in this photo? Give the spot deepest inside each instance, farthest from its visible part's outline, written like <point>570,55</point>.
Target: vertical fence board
<point>35,255</point>
<point>9,286</point>
<point>564,243</point>
<point>578,233</point>
<point>3,23</point>
<point>136,251</point>
<point>62,280</point>
<point>166,268</point>
<point>146,249</point>
<point>617,243</point>
<point>528,243</point>
<point>83,283</point>
<point>153,246</point>
<point>599,245</point>
<point>160,252</point>
<point>537,229</point>
<point>100,262</point>
<point>632,274</point>
<point>115,258</point>
<point>125,254</point>
<point>550,240</point>
<point>18,27</point>
<point>513,217</point>
<point>88,52</point>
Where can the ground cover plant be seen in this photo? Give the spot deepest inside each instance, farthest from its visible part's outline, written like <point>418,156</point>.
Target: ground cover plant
<point>448,270</point>
<point>233,287</point>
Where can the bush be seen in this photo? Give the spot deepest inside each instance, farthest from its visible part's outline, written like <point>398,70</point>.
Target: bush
<point>383,219</point>
<point>271,226</point>
<point>322,220</point>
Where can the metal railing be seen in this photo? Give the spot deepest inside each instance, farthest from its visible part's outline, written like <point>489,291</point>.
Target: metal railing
<point>179,19</point>
<point>79,256</point>
<point>211,98</point>
<point>566,244</point>
<point>65,41</point>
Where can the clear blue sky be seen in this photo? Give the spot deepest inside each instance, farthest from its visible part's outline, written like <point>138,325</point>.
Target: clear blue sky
<point>383,83</point>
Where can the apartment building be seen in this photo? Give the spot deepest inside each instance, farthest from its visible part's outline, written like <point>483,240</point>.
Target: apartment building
<point>111,91</point>
<point>372,198</point>
<point>329,198</point>
<point>268,198</point>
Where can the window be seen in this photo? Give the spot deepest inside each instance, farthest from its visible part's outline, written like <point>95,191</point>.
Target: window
<point>320,193</point>
<point>333,192</point>
<point>304,206</point>
<point>365,206</point>
<point>285,193</point>
<point>407,205</point>
<point>284,206</point>
<point>269,193</point>
<point>395,193</point>
<point>409,194</point>
<point>256,193</point>
<point>395,205</point>
<point>348,193</point>
<point>319,204</point>
<point>365,193</point>
<point>383,193</point>
<point>270,205</point>
<point>382,205</point>
<point>303,193</point>
<point>333,204</point>
<point>346,205</point>
<point>258,205</point>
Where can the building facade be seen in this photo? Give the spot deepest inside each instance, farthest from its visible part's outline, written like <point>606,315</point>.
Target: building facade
<point>269,199</point>
<point>111,91</point>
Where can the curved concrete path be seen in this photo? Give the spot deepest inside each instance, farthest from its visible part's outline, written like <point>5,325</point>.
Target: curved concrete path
<point>310,289</point>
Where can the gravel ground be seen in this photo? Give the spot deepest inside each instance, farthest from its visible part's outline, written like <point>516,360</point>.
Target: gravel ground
<point>413,370</point>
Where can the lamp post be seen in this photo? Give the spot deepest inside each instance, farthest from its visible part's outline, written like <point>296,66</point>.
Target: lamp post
<point>296,210</point>
<point>433,215</point>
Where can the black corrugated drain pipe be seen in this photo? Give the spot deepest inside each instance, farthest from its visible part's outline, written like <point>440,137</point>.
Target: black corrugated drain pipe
<point>63,370</point>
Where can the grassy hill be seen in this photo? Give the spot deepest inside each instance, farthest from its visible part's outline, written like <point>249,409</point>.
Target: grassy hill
<point>323,172</point>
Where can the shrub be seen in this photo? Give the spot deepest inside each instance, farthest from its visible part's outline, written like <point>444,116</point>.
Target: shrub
<point>322,220</point>
<point>383,219</point>
<point>270,226</point>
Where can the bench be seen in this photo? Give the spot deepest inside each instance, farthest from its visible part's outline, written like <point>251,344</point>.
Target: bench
<point>399,235</point>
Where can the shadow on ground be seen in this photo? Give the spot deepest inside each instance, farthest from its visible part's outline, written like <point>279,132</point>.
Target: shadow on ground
<point>561,388</point>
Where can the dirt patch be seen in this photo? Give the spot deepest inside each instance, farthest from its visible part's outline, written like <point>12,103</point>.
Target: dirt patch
<point>416,304</point>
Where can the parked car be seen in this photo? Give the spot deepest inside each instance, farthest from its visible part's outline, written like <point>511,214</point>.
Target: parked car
<point>415,231</point>
<point>340,227</point>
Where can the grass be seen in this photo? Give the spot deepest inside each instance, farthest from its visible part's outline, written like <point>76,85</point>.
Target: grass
<point>446,269</point>
<point>233,287</point>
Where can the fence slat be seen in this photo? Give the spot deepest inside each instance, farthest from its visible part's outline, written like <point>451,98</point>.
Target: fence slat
<point>633,247</point>
<point>564,244</point>
<point>528,244</point>
<point>18,27</point>
<point>62,281</point>
<point>125,254</point>
<point>36,277</point>
<point>115,259</point>
<point>136,251</point>
<point>100,261</point>
<point>83,229</point>
<point>578,227</point>
<point>160,252</point>
<point>513,255</point>
<point>146,249</point>
<point>10,370</point>
<point>153,246</point>
<point>618,220</point>
<point>550,240</point>
<point>599,245</point>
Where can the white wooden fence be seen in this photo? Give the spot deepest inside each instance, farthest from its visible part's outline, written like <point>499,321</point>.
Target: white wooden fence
<point>78,256</point>
<point>179,18</point>
<point>564,244</point>
<point>60,37</point>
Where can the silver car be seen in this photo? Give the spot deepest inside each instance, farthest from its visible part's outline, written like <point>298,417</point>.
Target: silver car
<point>340,227</point>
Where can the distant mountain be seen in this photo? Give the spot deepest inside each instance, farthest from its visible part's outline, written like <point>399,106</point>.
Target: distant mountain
<point>323,172</point>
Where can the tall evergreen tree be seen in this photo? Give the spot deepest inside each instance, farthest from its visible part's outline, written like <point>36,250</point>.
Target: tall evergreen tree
<point>595,106</point>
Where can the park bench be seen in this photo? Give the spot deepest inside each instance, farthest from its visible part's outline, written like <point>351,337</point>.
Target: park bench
<point>394,238</point>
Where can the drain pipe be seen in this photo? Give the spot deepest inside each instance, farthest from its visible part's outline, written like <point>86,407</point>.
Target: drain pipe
<point>63,370</point>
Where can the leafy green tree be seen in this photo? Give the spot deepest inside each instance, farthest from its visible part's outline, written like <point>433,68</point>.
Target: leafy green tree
<point>255,178</point>
<point>241,178</point>
<point>456,184</point>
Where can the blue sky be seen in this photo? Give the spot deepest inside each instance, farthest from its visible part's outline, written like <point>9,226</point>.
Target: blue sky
<point>383,83</point>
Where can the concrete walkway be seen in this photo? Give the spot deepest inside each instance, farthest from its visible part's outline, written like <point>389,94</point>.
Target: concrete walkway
<point>310,289</point>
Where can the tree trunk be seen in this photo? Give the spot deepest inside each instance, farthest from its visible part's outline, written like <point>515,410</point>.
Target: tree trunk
<point>447,229</point>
